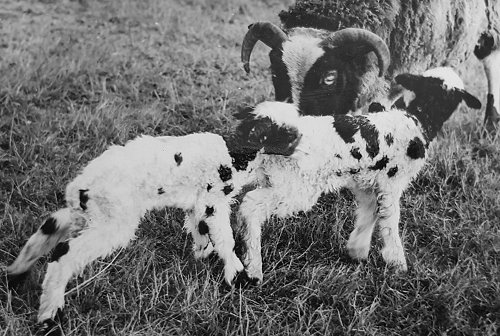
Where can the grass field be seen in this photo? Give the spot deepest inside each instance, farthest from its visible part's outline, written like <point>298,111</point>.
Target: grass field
<point>77,76</point>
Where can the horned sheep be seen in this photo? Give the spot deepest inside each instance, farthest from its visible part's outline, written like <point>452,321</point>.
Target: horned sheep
<point>316,74</point>
<point>376,156</point>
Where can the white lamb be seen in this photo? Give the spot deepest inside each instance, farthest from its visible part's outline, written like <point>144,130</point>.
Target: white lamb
<point>107,200</point>
<point>375,156</point>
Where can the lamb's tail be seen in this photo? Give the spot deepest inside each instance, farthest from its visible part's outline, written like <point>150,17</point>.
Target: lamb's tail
<point>257,131</point>
<point>54,229</point>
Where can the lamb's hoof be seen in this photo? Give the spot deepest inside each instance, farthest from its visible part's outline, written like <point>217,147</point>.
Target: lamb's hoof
<point>204,252</point>
<point>491,127</point>
<point>345,258</point>
<point>52,327</point>
<point>358,254</point>
<point>16,280</point>
<point>242,280</point>
<point>397,267</point>
<point>49,327</point>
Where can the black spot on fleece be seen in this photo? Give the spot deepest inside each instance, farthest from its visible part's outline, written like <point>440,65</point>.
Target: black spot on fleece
<point>49,227</point>
<point>203,227</point>
<point>83,198</point>
<point>380,164</point>
<point>347,126</point>
<point>60,250</point>
<point>178,158</point>
<point>416,149</point>
<point>225,173</point>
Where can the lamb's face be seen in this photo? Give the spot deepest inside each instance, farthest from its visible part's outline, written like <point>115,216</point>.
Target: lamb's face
<point>269,126</point>
<point>434,96</point>
<point>318,71</point>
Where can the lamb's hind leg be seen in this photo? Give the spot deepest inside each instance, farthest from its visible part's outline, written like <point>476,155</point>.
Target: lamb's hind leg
<point>488,52</point>
<point>359,242</point>
<point>70,257</point>
<point>388,213</point>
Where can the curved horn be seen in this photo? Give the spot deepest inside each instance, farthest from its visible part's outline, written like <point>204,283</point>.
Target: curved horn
<point>365,38</point>
<point>270,34</point>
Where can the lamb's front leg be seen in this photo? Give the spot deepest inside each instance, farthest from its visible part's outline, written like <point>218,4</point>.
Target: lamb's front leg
<point>216,224</point>
<point>388,212</point>
<point>202,246</point>
<point>254,210</point>
<point>359,242</point>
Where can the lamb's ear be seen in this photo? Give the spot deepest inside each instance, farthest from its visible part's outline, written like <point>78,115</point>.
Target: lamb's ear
<point>470,100</point>
<point>244,112</point>
<point>409,81</point>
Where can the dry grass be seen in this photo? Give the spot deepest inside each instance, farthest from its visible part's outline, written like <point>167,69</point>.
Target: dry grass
<point>78,76</point>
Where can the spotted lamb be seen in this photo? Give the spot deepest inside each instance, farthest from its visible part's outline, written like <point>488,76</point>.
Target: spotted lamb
<point>375,156</point>
<point>107,200</point>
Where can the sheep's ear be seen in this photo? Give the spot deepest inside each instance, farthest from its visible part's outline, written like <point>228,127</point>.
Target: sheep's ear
<point>244,112</point>
<point>470,100</point>
<point>409,81</point>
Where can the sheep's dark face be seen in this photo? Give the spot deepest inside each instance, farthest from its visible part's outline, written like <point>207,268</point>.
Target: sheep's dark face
<point>321,80</point>
<point>321,72</point>
<point>327,87</point>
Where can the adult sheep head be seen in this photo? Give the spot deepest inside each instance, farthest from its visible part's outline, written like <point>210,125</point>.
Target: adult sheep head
<point>320,71</point>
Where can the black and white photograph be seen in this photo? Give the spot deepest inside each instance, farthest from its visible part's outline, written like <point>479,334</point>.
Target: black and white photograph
<point>234,167</point>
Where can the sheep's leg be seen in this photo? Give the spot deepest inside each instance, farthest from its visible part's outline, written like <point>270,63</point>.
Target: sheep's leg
<point>488,52</point>
<point>491,66</point>
<point>359,242</point>
<point>218,227</point>
<point>202,246</point>
<point>388,213</point>
<point>71,257</point>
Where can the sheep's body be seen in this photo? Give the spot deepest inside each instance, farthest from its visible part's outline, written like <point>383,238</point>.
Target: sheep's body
<point>107,200</point>
<point>375,156</point>
<point>419,34</point>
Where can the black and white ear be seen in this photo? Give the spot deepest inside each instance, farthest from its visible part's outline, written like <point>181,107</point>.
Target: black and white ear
<point>253,134</point>
<point>470,100</point>
<point>244,112</point>
<point>409,81</point>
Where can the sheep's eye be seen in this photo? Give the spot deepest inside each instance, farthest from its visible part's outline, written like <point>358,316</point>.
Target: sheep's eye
<point>330,78</point>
